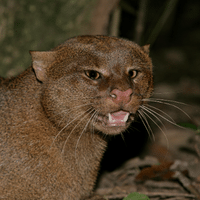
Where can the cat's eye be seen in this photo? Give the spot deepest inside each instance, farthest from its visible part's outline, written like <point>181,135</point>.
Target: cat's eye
<point>92,74</point>
<point>133,73</point>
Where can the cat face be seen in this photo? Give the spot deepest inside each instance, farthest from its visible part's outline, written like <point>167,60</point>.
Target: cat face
<point>97,81</point>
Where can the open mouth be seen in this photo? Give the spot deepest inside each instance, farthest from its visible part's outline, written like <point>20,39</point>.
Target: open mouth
<point>114,119</point>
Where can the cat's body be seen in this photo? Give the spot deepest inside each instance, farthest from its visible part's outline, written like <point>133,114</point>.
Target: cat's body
<point>53,120</point>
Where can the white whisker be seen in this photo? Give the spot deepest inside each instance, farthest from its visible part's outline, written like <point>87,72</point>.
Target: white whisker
<point>167,100</point>
<point>160,111</point>
<point>157,101</point>
<point>122,137</point>
<point>146,124</point>
<point>76,117</point>
<point>152,111</point>
<point>83,132</point>
<point>158,127</point>
<point>74,129</point>
<point>92,123</point>
<point>70,109</point>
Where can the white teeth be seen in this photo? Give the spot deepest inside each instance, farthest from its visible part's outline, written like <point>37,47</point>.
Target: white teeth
<point>110,118</point>
<point>113,120</point>
<point>126,117</point>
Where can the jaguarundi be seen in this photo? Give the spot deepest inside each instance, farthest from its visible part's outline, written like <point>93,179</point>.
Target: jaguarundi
<point>54,117</point>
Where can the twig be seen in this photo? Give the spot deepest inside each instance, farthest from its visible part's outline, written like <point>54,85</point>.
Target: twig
<point>197,148</point>
<point>128,8</point>
<point>140,21</point>
<point>115,22</point>
<point>152,194</point>
<point>161,22</point>
<point>187,184</point>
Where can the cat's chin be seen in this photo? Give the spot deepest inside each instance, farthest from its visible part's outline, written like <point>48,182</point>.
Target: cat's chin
<point>114,123</point>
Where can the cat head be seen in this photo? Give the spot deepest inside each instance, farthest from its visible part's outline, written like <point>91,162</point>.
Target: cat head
<point>97,81</point>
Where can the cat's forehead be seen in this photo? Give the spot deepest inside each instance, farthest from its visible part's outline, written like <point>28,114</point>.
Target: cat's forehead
<point>102,58</point>
<point>101,43</point>
<point>102,52</point>
<point>104,47</point>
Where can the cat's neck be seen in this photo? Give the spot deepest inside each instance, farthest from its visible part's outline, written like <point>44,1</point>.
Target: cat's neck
<point>81,145</point>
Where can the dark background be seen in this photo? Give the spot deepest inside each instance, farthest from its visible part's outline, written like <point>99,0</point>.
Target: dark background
<point>171,27</point>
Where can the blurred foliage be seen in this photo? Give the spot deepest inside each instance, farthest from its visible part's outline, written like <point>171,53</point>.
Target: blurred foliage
<point>175,48</point>
<point>43,24</point>
<point>37,25</point>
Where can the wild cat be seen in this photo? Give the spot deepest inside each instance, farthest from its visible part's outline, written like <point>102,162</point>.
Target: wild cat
<point>55,115</point>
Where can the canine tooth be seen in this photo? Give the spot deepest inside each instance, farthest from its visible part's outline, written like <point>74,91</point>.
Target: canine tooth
<point>126,117</point>
<point>109,117</point>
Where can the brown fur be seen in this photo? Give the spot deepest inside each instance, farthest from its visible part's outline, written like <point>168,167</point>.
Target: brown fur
<point>41,157</point>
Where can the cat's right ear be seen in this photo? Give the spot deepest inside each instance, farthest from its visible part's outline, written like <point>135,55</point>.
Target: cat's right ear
<point>40,62</point>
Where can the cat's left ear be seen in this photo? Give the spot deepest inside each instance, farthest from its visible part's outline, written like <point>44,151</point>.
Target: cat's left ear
<point>146,48</point>
<point>40,62</point>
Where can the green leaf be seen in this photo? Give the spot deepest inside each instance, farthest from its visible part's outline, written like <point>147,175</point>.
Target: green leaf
<point>136,196</point>
<point>188,125</point>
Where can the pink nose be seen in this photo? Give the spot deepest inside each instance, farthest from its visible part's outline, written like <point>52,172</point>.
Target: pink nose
<point>119,97</point>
